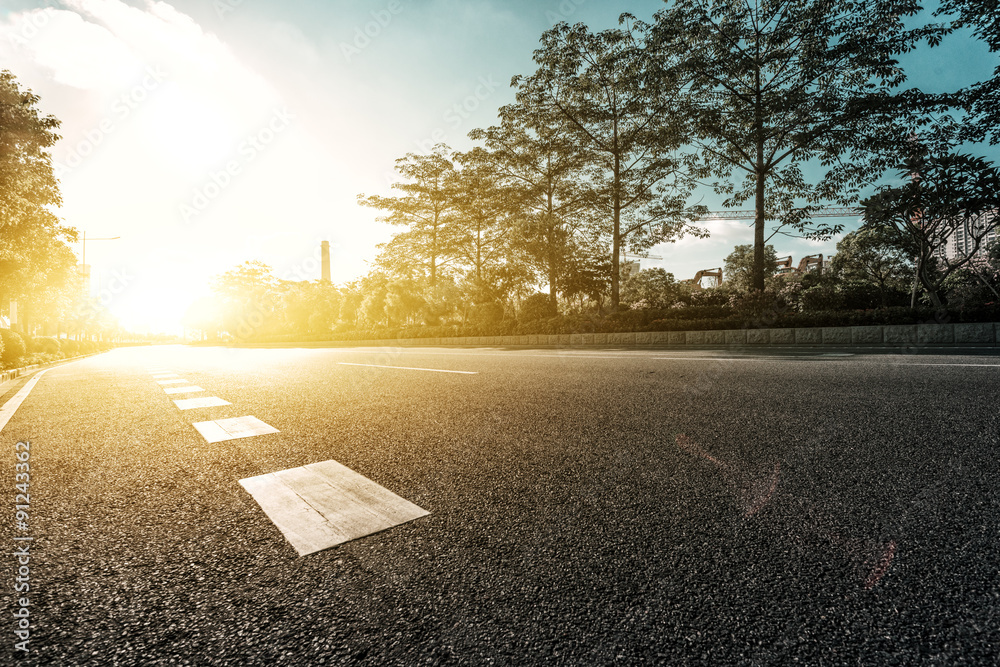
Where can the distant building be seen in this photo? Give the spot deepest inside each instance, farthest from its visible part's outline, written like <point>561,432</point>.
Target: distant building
<point>962,241</point>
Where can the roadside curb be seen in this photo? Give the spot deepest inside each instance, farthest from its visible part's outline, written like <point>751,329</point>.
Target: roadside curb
<point>907,337</point>
<point>14,373</point>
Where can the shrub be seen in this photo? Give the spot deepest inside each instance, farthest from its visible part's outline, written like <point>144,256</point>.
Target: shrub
<point>13,346</point>
<point>69,347</point>
<point>45,345</point>
<point>536,307</point>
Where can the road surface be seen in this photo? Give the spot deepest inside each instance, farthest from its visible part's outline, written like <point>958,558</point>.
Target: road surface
<point>585,507</point>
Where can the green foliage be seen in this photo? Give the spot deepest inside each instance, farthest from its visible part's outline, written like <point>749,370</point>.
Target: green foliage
<point>45,345</point>
<point>650,288</point>
<point>879,256</point>
<point>69,347</point>
<point>943,193</point>
<point>13,347</point>
<point>775,86</point>
<point>536,307</point>
<point>619,105</point>
<point>738,269</point>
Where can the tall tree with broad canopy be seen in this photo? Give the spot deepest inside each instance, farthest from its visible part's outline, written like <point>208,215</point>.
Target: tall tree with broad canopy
<point>983,98</point>
<point>621,109</point>
<point>28,193</point>
<point>782,89</point>
<point>425,208</point>
<point>944,192</point>
<point>534,156</point>
<point>483,209</point>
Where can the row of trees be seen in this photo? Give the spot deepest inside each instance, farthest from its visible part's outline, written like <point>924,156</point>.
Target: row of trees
<point>787,104</point>
<point>38,269</point>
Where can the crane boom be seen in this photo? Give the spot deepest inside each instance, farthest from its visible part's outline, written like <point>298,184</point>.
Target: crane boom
<point>825,212</point>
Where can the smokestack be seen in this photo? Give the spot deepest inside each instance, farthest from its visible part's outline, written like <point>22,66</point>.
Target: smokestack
<point>325,247</point>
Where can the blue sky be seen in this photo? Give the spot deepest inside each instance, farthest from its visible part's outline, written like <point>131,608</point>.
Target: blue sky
<point>209,132</point>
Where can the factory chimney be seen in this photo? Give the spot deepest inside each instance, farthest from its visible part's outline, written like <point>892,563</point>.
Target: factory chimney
<point>325,247</point>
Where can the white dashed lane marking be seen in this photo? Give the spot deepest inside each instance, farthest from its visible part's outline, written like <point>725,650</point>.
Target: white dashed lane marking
<point>408,368</point>
<point>230,429</point>
<point>183,390</point>
<point>202,402</point>
<point>177,381</point>
<point>321,505</point>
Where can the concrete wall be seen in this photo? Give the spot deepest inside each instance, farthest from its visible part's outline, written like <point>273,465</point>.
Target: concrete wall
<point>890,336</point>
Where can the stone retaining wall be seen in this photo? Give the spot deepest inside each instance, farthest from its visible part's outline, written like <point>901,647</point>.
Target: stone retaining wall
<point>952,335</point>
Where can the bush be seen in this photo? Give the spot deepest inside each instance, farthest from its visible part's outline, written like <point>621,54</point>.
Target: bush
<point>536,307</point>
<point>88,347</point>
<point>45,345</point>
<point>69,347</point>
<point>13,346</point>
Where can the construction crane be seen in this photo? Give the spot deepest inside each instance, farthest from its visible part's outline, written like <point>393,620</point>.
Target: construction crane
<point>824,212</point>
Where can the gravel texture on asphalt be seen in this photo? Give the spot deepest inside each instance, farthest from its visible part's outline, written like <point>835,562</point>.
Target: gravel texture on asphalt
<point>587,508</point>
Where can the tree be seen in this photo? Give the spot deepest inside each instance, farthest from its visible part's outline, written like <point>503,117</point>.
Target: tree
<point>740,266</point>
<point>248,295</point>
<point>32,238</point>
<point>425,208</point>
<point>650,288</point>
<point>483,210</point>
<point>533,153</point>
<point>782,86</point>
<point>876,255</point>
<point>943,193</point>
<point>983,98</point>
<point>620,107</point>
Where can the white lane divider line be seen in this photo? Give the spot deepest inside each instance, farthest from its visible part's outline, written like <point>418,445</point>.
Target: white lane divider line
<point>192,389</point>
<point>165,376</point>
<point>233,428</point>
<point>409,368</point>
<point>321,505</point>
<point>202,402</point>
<point>906,363</point>
<point>11,406</point>
<point>177,381</point>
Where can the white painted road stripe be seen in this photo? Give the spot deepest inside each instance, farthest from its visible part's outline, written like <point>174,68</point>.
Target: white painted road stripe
<point>408,368</point>
<point>192,389</point>
<point>230,429</point>
<point>906,363</point>
<point>11,406</point>
<point>321,505</point>
<point>203,402</point>
<point>178,380</point>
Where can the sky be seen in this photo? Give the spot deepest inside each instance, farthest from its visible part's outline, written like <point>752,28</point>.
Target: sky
<point>205,133</point>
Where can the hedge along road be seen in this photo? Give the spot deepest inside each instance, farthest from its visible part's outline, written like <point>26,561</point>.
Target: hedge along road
<point>584,508</point>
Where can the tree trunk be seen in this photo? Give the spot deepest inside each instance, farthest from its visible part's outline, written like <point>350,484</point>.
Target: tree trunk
<point>759,213</point>
<point>616,235</point>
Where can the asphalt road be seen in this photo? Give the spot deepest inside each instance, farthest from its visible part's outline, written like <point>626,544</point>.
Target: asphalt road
<point>586,508</point>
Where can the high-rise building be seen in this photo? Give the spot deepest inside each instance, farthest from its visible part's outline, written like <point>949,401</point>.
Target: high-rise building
<point>962,241</point>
